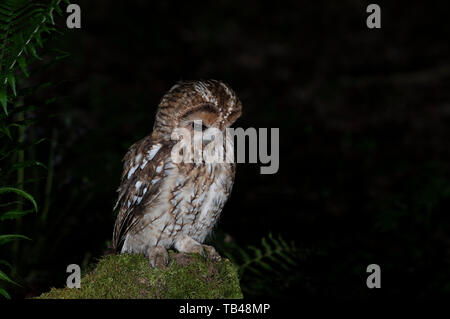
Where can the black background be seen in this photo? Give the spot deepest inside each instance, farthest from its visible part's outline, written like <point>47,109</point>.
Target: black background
<point>364,124</point>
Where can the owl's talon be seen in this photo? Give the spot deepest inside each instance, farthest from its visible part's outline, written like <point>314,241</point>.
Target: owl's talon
<point>188,245</point>
<point>212,253</point>
<point>158,257</point>
<point>198,249</point>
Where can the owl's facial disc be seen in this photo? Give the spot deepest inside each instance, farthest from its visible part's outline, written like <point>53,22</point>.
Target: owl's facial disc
<point>204,132</point>
<point>207,113</point>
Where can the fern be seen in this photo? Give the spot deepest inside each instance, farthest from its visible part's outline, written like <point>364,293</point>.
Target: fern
<point>272,250</point>
<point>22,25</point>
<point>13,214</point>
<point>272,261</point>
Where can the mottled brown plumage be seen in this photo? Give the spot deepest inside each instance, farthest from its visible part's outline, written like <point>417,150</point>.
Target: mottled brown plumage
<point>163,204</point>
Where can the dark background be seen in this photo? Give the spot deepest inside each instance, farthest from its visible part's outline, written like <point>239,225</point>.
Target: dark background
<point>364,125</point>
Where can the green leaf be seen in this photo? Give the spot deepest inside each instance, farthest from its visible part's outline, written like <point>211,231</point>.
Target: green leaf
<point>12,83</point>
<point>6,131</point>
<point>21,193</point>
<point>23,65</point>
<point>58,10</point>
<point>33,52</point>
<point>4,277</point>
<point>61,54</point>
<point>39,40</point>
<point>265,244</point>
<point>26,164</point>
<point>4,98</point>
<point>245,255</point>
<point>10,237</point>
<point>14,214</point>
<point>257,251</point>
<point>4,293</point>
<point>50,17</point>
<point>265,265</point>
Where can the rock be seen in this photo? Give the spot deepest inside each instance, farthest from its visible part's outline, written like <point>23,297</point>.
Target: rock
<point>129,276</point>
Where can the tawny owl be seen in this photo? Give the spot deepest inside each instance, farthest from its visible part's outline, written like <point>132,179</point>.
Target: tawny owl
<point>164,203</point>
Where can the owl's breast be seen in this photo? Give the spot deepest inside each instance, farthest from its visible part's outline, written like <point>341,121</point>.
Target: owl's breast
<point>198,196</point>
<point>189,203</point>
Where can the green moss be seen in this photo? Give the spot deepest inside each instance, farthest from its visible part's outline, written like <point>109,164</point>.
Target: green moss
<point>129,276</point>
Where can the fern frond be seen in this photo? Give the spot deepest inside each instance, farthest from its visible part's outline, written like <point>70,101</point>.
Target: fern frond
<point>274,253</point>
<point>269,267</point>
<point>22,24</point>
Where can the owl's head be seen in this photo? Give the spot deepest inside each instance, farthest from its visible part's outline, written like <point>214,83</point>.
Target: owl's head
<point>213,102</point>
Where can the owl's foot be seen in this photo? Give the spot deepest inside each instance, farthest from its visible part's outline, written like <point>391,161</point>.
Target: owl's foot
<point>212,253</point>
<point>189,245</point>
<point>158,256</point>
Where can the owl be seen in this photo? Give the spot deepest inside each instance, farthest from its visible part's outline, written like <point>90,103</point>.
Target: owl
<point>164,203</point>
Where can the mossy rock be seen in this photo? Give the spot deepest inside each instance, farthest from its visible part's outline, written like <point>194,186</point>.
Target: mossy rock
<point>129,276</point>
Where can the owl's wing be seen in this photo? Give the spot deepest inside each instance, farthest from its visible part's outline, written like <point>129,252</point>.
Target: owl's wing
<point>144,166</point>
